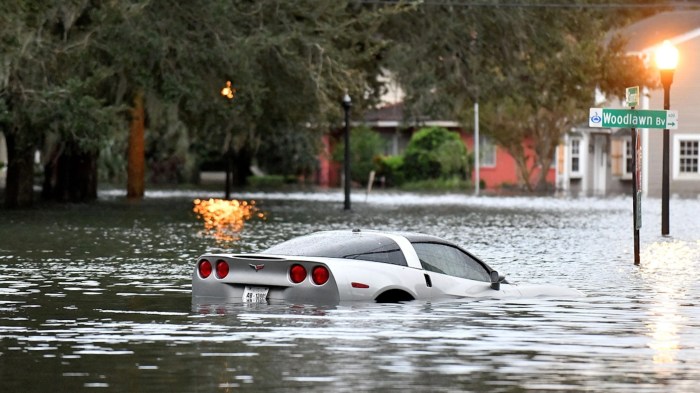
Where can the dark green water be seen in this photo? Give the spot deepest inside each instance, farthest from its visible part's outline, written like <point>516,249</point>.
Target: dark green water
<point>97,298</point>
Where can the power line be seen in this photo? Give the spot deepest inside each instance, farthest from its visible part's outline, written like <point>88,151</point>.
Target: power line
<point>457,3</point>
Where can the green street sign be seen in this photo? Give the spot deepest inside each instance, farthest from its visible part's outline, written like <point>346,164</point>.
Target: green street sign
<point>630,118</point>
<point>632,96</point>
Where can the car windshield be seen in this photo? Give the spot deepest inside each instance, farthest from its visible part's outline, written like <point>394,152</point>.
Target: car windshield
<point>365,246</point>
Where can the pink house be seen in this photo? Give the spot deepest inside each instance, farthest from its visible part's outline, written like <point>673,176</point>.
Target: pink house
<point>497,168</point>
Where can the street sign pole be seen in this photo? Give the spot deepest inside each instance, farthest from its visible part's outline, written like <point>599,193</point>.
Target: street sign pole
<point>632,100</point>
<point>636,193</point>
<point>634,119</point>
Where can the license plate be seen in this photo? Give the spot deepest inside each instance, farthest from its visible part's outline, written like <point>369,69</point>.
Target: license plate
<point>255,294</point>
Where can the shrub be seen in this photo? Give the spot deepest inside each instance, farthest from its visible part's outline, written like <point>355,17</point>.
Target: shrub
<point>434,153</point>
<point>267,181</point>
<point>444,184</point>
<point>391,167</point>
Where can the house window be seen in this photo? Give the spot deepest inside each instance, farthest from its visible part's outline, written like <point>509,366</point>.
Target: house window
<point>686,153</point>
<point>487,152</point>
<point>575,156</point>
<point>688,157</point>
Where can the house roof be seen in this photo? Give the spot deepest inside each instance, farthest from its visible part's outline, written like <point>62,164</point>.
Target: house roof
<point>392,115</point>
<point>675,26</point>
<point>392,112</point>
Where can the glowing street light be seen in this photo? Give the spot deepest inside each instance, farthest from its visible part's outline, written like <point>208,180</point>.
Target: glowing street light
<point>228,91</point>
<point>666,62</point>
<point>666,56</point>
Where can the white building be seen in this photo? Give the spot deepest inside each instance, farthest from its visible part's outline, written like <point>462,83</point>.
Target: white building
<point>598,161</point>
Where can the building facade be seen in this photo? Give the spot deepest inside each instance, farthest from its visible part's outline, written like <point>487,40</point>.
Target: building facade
<point>497,168</point>
<point>598,161</point>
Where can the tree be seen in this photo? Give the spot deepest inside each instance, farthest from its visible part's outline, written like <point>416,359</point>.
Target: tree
<point>156,68</point>
<point>48,89</point>
<point>536,67</point>
<point>290,61</point>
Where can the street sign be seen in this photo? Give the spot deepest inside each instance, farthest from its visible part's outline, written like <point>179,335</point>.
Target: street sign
<point>632,96</point>
<point>630,118</point>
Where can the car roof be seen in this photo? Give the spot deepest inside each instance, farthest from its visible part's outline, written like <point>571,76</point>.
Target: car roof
<point>413,237</point>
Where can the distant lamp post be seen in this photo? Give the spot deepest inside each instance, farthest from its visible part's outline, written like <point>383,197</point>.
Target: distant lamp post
<point>347,103</point>
<point>666,62</point>
<point>228,92</point>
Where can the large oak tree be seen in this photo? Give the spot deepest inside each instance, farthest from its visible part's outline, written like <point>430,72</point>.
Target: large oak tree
<point>532,66</point>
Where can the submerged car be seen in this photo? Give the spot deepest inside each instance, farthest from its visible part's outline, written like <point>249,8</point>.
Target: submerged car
<point>356,265</point>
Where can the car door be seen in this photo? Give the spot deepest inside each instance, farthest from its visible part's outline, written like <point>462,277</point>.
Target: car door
<point>455,273</point>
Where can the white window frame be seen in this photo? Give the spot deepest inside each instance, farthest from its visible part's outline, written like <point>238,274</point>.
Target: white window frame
<point>627,155</point>
<point>486,146</point>
<point>579,155</point>
<point>677,175</point>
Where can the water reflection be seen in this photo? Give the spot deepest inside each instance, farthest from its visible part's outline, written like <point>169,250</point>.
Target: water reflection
<point>669,267</point>
<point>224,219</point>
<point>98,296</point>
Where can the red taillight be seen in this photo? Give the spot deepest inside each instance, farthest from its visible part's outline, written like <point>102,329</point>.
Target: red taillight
<point>297,273</point>
<point>204,268</point>
<point>320,275</point>
<point>359,285</point>
<point>221,268</point>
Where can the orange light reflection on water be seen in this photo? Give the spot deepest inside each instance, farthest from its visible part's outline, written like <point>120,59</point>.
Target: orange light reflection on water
<point>669,267</point>
<point>224,219</point>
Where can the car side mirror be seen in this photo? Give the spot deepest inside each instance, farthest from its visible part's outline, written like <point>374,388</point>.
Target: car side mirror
<point>495,280</point>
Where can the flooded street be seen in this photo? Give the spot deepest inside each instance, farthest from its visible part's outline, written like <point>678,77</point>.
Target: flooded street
<point>97,298</point>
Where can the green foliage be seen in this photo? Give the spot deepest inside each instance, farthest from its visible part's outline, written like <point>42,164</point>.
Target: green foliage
<point>547,59</point>
<point>365,147</point>
<point>391,167</point>
<point>79,118</point>
<point>289,151</point>
<point>434,153</point>
<point>70,69</point>
<point>444,184</point>
<point>268,181</point>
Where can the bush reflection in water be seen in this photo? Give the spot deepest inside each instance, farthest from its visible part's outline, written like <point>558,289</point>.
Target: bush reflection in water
<point>98,296</point>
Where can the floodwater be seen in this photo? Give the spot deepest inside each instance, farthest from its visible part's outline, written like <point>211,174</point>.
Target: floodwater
<point>97,298</point>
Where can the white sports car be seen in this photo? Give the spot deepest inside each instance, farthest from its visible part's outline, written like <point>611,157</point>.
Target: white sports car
<point>357,265</point>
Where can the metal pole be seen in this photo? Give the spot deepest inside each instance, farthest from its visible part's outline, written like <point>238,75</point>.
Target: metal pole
<point>635,191</point>
<point>477,175</point>
<point>346,164</point>
<point>228,174</point>
<point>666,80</point>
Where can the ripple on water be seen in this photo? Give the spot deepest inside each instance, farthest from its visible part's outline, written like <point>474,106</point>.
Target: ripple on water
<point>104,301</point>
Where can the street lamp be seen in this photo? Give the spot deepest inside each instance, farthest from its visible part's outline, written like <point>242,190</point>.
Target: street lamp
<point>228,92</point>
<point>347,103</point>
<point>666,62</point>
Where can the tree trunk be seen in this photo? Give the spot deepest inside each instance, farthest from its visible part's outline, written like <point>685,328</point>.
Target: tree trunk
<point>542,185</point>
<point>19,188</point>
<point>522,170</point>
<point>136,166</point>
<point>71,176</point>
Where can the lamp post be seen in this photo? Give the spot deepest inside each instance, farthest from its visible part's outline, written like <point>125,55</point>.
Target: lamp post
<point>346,164</point>
<point>228,92</point>
<point>666,62</point>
